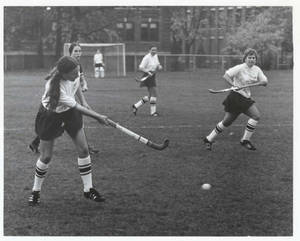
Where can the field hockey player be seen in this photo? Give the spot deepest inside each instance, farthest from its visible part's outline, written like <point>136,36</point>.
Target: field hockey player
<point>75,52</point>
<point>149,65</point>
<point>239,101</point>
<point>60,112</point>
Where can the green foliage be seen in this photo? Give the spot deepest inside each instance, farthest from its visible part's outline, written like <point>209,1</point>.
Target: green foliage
<point>186,25</point>
<point>56,25</point>
<point>266,33</point>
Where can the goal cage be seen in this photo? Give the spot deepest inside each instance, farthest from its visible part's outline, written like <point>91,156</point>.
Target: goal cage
<point>113,57</point>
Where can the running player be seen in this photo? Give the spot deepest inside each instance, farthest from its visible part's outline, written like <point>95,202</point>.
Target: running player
<point>149,65</point>
<point>59,111</point>
<point>240,101</point>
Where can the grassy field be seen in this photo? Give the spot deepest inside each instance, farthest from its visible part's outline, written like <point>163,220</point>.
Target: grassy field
<point>153,193</point>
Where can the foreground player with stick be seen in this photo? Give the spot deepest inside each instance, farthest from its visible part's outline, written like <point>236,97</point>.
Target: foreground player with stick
<point>239,99</point>
<point>149,65</point>
<point>59,111</point>
<point>75,52</point>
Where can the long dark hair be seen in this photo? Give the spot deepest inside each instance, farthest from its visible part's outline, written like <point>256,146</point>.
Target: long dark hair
<point>64,65</point>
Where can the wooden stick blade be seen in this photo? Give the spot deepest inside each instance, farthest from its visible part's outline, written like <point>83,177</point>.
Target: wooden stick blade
<point>159,147</point>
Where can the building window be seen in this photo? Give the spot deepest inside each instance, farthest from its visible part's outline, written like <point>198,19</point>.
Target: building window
<point>126,31</point>
<point>212,18</point>
<point>249,14</point>
<point>238,16</point>
<point>230,17</point>
<point>149,31</point>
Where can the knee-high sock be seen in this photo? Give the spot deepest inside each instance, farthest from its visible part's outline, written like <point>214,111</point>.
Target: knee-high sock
<point>40,173</point>
<point>250,128</point>
<point>218,129</point>
<point>85,169</point>
<point>141,102</point>
<point>97,72</point>
<point>152,105</point>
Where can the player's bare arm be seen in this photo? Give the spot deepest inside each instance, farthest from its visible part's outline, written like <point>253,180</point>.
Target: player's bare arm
<point>228,79</point>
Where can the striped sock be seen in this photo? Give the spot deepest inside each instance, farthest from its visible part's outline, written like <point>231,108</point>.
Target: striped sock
<point>142,101</point>
<point>152,105</point>
<point>40,173</point>
<point>85,169</point>
<point>250,128</point>
<point>219,128</point>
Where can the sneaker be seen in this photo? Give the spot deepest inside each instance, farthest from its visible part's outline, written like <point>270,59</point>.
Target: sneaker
<point>34,198</point>
<point>34,148</point>
<point>208,144</point>
<point>94,195</point>
<point>248,145</point>
<point>134,109</point>
<point>92,150</point>
<point>155,114</point>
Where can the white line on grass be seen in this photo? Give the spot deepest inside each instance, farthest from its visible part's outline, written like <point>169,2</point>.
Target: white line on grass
<point>169,126</point>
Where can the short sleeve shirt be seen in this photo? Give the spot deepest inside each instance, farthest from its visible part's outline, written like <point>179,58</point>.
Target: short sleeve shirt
<point>243,75</point>
<point>150,62</point>
<point>98,58</point>
<point>67,100</point>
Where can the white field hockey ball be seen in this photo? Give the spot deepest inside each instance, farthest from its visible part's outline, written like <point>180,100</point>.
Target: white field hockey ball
<point>206,186</point>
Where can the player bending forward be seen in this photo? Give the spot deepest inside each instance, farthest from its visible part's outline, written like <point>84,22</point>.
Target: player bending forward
<point>59,111</point>
<point>149,65</point>
<point>240,101</point>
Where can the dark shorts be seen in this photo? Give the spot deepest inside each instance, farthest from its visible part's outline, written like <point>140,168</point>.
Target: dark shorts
<point>236,103</point>
<point>50,125</point>
<point>98,65</point>
<point>149,82</point>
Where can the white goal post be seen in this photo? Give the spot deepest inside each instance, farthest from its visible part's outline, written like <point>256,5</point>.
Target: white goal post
<point>113,55</point>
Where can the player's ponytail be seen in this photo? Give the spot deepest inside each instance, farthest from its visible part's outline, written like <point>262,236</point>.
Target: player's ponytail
<point>54,91</point>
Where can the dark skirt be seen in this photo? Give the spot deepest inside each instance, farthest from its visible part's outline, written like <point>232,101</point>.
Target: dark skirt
<point>149,82</point>
<point>50,125</point>
<point>236,103</point>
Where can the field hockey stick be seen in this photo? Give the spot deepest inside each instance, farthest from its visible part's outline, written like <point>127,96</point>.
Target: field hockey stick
<point>232,88</point>
<point>139,138</point>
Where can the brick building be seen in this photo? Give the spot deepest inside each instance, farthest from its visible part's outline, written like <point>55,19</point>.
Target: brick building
<point>142,27</point>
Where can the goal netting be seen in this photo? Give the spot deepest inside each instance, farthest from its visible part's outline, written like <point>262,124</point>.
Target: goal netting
<point>113,55</point>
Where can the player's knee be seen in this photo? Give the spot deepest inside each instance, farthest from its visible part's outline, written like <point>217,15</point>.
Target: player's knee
<point>83,152</point>
<point>145,98</point>
<point>45,159</point>
<point>256,117</point>
<point>153,100</point>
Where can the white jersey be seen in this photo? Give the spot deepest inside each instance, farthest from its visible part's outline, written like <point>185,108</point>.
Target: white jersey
<point>243,75</point>
<point>98,58</point>
<point>149,62</point>
<point>67,100</point>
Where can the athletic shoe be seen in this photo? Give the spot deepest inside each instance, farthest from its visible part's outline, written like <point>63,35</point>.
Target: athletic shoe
<point>92,150</point>
<point>94,195</point>
<point>248,145</point>
<point>207,143</point>
<point>34,147</point>
<point>34,198</point>
<point>155,114</point>
<point>134,109</point>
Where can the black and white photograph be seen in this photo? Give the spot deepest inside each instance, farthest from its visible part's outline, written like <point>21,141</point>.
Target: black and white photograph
<point>149,119</point>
